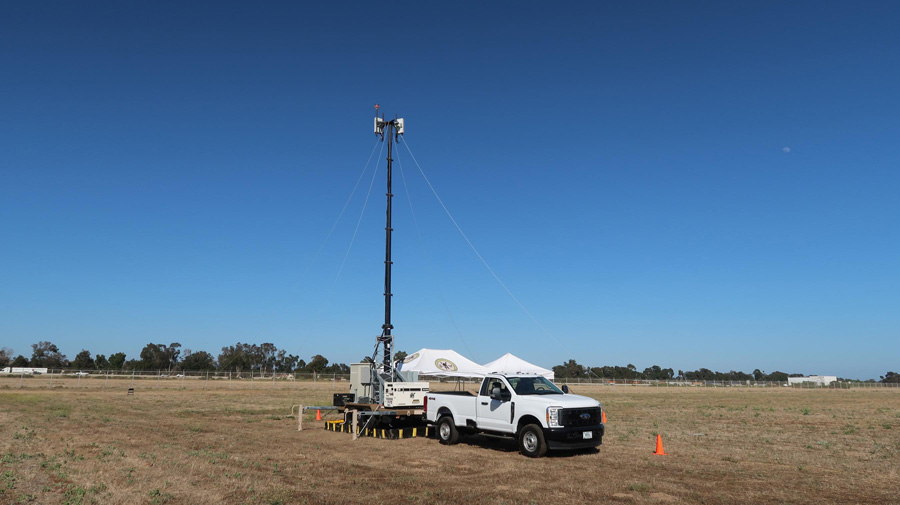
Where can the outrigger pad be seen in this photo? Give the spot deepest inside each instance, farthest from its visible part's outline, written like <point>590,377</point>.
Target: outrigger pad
<point>387,433</point>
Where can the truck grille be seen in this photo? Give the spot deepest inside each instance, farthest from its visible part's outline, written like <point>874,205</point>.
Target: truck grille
<point>574,417</point>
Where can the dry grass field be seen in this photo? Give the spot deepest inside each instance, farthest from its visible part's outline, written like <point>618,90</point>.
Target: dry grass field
<point>82,443</point>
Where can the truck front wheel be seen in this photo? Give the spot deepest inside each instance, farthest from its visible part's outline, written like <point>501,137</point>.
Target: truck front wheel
<point>531,441</point>
<point>447,432</point>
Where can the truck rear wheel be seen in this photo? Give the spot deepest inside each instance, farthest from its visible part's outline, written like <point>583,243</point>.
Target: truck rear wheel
<point>531,441</point>
<point>447,432</point>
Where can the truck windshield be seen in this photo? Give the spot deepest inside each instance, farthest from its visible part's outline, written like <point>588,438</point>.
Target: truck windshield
<point>533,386</point>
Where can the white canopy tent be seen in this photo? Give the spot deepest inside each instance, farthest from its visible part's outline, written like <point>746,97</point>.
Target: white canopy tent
<point>510,364</point>
<point>442,363</point>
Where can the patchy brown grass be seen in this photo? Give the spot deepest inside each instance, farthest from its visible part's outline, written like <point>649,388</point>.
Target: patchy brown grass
<point>212,443</point>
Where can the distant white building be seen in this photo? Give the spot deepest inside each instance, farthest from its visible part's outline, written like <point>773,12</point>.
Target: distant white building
<point>23,369</point>
<point>818,380</point>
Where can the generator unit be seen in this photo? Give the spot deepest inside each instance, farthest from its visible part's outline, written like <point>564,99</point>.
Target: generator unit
<point>368,387</point>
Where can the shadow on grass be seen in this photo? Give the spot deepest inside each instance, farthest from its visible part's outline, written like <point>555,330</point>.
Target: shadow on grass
<point>510,445</point>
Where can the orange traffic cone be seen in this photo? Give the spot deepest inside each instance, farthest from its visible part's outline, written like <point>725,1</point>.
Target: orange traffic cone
<point>318,415</point>
<point>603,413</point>
<point>659,448</point>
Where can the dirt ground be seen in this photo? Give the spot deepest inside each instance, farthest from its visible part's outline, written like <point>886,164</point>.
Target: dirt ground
<point>213,443</point>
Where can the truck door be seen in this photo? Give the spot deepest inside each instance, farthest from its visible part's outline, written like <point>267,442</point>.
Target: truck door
<point>494,414</point>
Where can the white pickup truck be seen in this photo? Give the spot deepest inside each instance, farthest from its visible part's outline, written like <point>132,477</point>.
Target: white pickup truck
<point>529,408</point>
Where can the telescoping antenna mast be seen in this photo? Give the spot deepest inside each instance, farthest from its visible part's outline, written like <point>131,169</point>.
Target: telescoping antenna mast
<point>394,129</point>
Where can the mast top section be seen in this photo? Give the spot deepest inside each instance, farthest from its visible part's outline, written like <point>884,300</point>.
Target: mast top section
<point>380,124</point>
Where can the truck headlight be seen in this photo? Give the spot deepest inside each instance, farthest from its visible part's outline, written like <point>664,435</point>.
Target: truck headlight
<point>553,417</point>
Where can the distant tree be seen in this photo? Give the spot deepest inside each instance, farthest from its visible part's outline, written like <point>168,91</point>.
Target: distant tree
<point>47,355</point>
<point>777,377</point>
<point>153,357</point>
<point>738,376</point>
<point>400,356</point>
<point>199,360</point>
<point>236,357</point>
<point>704,374</point>
<point>117,361</point>
<point>240,357</point>
<point>891,378</point>
<point>656,373</point>
<point>159,356</point>
<point>5,356</point>
<point>317,364</point>
<point>172,352</point>
<point>615,372</point>
<point>336,368</point>
<point>267,354</point>
<point>20,361</point>
<point>100,362</point>
<point>569,370</point>
<point>285,362</point>
<point>83,361</point>
<point>758,375</point>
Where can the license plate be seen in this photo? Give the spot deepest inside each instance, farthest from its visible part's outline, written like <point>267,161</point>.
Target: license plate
<point>587,434</point>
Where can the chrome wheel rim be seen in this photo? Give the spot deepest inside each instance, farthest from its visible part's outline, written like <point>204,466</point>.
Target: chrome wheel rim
<point>529,440</point>
<point>445,431</point>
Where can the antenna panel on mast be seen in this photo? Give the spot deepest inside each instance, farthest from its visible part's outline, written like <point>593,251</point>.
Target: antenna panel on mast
<point>399,123</point>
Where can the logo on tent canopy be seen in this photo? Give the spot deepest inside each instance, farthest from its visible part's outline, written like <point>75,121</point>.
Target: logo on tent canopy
<point>445,365</point>
<point>411,357</point>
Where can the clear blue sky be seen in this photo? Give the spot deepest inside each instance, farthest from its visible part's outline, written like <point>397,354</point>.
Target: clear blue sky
<point>676,183</point>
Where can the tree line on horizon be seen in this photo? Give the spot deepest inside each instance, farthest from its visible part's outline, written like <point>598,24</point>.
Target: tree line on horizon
<point>240,357</point>
<point>572,370</point>
<point>266,357</point>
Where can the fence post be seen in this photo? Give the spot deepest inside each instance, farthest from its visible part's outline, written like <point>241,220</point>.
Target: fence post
<point>21,376</point>
<point>51,379</point>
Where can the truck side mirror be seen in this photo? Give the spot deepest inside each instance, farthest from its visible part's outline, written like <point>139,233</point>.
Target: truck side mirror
<point>495,395</point>
<point>566,388</point>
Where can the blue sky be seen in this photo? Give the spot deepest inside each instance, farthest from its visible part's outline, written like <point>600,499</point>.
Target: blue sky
<point>685,184</point>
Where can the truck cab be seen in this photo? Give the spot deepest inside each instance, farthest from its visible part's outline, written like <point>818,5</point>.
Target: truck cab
<point>527,407</point>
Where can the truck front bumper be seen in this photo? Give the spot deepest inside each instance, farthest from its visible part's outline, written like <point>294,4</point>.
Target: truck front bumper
<point>573,438</point>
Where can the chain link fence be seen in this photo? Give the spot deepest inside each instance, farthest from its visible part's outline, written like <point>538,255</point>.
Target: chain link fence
<point>156,379</point>
<point>259,380</point>
<point>725,384</point>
